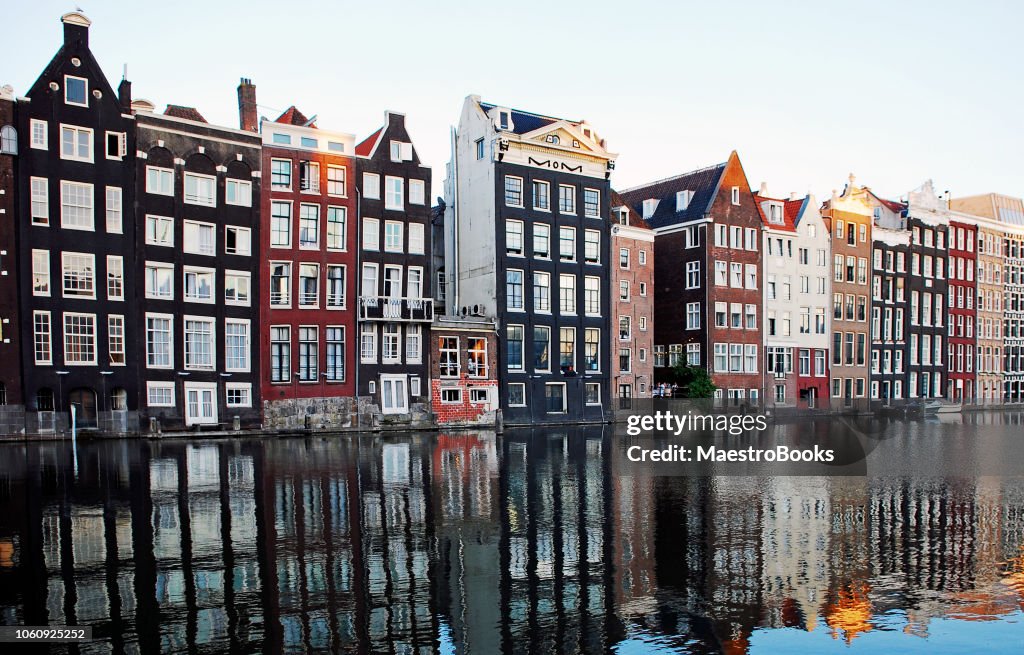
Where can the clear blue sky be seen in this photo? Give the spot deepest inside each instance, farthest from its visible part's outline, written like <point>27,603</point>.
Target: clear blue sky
<point>896,92</point>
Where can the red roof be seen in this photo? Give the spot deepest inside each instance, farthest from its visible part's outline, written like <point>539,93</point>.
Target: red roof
<point>366,147</point>
<point>293,116</point>
<point>635,220</point>
<point>790,211</point>
<point>188,113</point>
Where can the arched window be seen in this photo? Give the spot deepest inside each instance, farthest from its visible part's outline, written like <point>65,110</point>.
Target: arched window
<point>44,400</point>
<point>8,140</point>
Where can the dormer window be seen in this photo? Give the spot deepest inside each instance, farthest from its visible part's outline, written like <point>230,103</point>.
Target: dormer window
<point>76,91</point>
<point>649,206</point>
<point>624,216</point>
<point>683,199</point>
<point>586,132</point>
<point>504,120</point>
<point>774,213</point>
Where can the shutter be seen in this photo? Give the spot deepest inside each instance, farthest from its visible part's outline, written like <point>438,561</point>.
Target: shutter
<point>406,152</point>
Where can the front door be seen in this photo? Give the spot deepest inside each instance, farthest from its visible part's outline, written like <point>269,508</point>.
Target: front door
<point>200,403</point>
<point>84,401</point>
<point>394,394</point>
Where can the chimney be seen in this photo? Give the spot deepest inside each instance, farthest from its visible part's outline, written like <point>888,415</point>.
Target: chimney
<point>76,30</point>
<point>764,190</point>
<point>247,106</point>
<point>124,95</point>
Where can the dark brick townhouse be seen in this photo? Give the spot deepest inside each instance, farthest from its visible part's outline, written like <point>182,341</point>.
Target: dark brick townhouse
<point>12,403</point>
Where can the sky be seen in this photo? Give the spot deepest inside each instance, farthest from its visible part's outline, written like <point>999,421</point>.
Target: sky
<point>896,92</point>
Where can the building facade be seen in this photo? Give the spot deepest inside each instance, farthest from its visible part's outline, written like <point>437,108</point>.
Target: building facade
<point>75,191</point>
<point>889,268</point>
<point>530,245</point>
<point>308,262</point>
<point>396,304</point>
<point>963,317</point>
<point>198,206</point>
<point>632,290</point>
<point>464,371</point>
<point>12,403</point>
<point>707,231</point>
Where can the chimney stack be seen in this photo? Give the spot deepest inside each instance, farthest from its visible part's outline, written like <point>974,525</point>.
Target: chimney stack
<point>247,119</point>
<point>763,192</point>
<point>124,95</point>
<point>76,30</point>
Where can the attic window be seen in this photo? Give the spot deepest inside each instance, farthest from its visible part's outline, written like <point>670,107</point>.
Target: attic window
<point>552,138</point>
<point>586,132</point>
<point>624,216</point>
<point>683,199</point>
<point>309,142</point>
<point>735,195</point>
<point>503,120</point>
<point>575,143</point>
<point>774,213</point>
<point>878,213</point>
<point>285,139</point>
<point>336,146</point>
<point>649,206</point>
<point>76,90</point>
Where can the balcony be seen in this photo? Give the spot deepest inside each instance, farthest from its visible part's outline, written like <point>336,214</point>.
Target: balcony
<point>385,308</point>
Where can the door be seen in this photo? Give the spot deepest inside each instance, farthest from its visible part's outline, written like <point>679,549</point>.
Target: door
<point>84,401</point>
<point>200,403</point>
<point>394,394</point>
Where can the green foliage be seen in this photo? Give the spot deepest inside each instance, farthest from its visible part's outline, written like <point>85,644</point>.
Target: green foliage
<point>693,381</point>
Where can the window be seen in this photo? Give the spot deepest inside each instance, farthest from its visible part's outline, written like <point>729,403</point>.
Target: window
<point>334,362</point>
<point>476,350</point>
<point>451,396</point>
<point>692,354</point>
<point>115,277</point>
<point>567,293</point>
<point>280,174</point>
<point>735,195</point>
<point>624,258</point>
<point>591,349</point>
<point>280,224</point>
<point>554,397</point>
<point>237,240</point>
<point>541,292</point>
<point>414,286</point>
<point>309,176</point>
<point>514,346</point>
<point>236,345</point>
<point>75,143</point>
<point>238,394</point>
<point>721,273</point>
<point>159,280</point>
<point>413,345</point>
<point>693,274</point>
<point>200,190</point>
<point>40,272</point>
<point>624,290</point>
<point>517,394</point>
<point>42,337</point>
<point>238,192</point>
<point>566,199</point>
<point>159,230</point>
<point>693,316</point>
<point>541,240</point>
<point>199,343</point>
<point>76,90</point>
<point>648,207</point>
<point>198,284</point>
<point>38,134</point>
<point>236,288</point>
<point>401,151</point>
<point>624,357</point>
<point>336,178</point>
<point>721,314</point>
<point>309,226</point>
<point>736,357</point>
<point>280,284</point>
<point>624,328</point>
<point>417,192</point>
<point>199,238</point>
<point>592,296</point>
<point>390,340</point>
<point>309,370</point>
<point>113,208</point>
<point>40,201</point>
<point>479,148</point>
<point>335,287</point>
<point>592,203</point>
<point>592,247</point>
<point>514,237</point>
<point>159,394</point>
<point>280,353</point>
<point>567,244</point>
<point>722,236</point>
<point>79,339</point>
<point>394,197</point>
<point>541,344</point>
<point>416,239</point>
<point>514,289</point>
<point>76,206</point>
<point>79,275</point>
<point>751,271</point>
<point>736,275</point>
<point>371,234</point>
<point>751,315</point>
<point>721,358</point>
<point>541,195</point>
<point>371,186</point>
<point>513,191</point>
<point>309,285</point>
<point>337,222</point>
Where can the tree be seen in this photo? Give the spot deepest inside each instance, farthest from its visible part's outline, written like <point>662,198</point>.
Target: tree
<point>693,381</point>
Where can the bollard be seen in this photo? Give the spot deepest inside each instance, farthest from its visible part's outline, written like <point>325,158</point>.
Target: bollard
<point>154,426</point>
<point>236,423</point>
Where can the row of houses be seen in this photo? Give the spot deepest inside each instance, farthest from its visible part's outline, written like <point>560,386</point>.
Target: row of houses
<point>162,273</point>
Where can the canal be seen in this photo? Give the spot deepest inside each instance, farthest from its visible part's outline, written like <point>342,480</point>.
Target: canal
<point>528,542</point>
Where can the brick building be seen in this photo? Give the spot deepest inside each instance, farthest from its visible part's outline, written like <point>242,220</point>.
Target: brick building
<point>464,371</point>
<point>962,319</point>
<point>12,403</point>
<point>707,232</point>
<point>632,290</point>
<point>890,258</point>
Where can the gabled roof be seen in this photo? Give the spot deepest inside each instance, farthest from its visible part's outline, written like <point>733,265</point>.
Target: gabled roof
<point>366,147</point>
<point>293,116</point>
<point>635,220</point>
<point>790,211</point>
<point>188,113</point>
<point>703,183</point>
<point>525,121</point>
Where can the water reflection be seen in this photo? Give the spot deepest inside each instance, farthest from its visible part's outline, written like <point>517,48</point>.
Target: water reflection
<point>526,543</point>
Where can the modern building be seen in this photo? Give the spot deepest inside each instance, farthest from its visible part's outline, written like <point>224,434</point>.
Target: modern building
<point>796,315</point>
<point>632,289</point>
<point>963,314</point>
<point>197,257</point>
<point>1000,221</point>
<point>76,239</point>
<point>849,216</point>
<point>396,303</point>
<point>529,245</point>
<point>307,248</point>
<point>707,236</point>
<point>12,403</point>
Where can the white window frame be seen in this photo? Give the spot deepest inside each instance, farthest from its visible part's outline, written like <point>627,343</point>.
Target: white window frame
<point>115,262</point>
<point>112,319</point>
<point>95,328</point>
<point>64,257</point>
<point>332,183</point>
<point>34,125</point>
<point>213,342</point>
<point>239,232</point>
<point>236,276</point>
<point>240,199</point>
<point>157,221</point>
<point>66,185</point>
<point>76,129</point>
<point>197,250</point>
<point>160,386</point>
<point>394,199</point>
<point>248,345</point>
<point>238,386</point>
<point>122,145</point>
<point>40,200</point>
<point>198,199</point>
<point>417,192</point>
<point>39,337</point>
<point>114,221</point>
<point>78,79</point>
<point>371,234</point>
<point>371,186</point>
<point>417,240</point>
<point>198,271</point>
<point>150,293</point>
<point>41,270</point>
<point>388,245</point>
<point>162,175</point>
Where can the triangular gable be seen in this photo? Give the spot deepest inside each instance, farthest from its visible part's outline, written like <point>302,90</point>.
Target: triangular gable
<point>367,147</point>
<point>572,130</point>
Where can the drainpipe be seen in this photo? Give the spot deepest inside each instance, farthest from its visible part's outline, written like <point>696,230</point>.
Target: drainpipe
<point>359,280</point>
